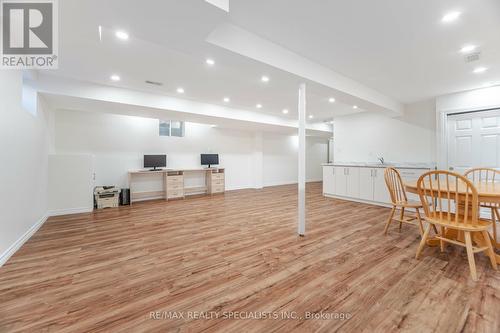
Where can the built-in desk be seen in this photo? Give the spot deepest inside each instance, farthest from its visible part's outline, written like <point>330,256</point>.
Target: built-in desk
<point>173,184</point>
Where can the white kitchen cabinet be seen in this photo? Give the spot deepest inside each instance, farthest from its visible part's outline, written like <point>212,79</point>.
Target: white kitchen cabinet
<point>372,185</point>
<point>380,191</point>
<point>366,183</point>
<point>352,181</point>
<point>347,181</point>
<point>328,179</point>
<point>340,181</point>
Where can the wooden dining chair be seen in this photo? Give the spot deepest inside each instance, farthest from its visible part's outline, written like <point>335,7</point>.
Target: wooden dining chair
<point>400,201</point>
<point>487,175</point>
<point>451,202</point>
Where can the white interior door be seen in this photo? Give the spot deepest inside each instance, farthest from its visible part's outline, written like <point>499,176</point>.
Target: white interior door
<point>474,140</point>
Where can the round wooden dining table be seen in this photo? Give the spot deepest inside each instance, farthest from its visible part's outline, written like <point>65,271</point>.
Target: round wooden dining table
<point>488,193</point>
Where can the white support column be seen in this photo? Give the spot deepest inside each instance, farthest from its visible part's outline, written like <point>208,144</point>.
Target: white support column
<point>302,161</point>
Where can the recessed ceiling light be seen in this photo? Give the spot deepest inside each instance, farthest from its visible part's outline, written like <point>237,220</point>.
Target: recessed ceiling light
<point>331,122</point>
<point>311,116</point>
<point>468,48</point>
<point>478,70</point>
<point>213,126</point>
<point>115,77</point>
<point>121,35</point>
<point>258,106</point>
<point>285,111</point>
<point>354,106</point>
<point>180,90</point>
<point>226,100</point>
<point>264,78</point>
<point>210,62</point>
<point>331,100</point>
<point>450,17</point>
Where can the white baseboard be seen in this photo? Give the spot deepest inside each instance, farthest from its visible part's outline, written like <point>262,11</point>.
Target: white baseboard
<point>290,182</point>
<point>376,203</point>
<point>239,187</point>
<point>17,244</point>
<point>66,211</point>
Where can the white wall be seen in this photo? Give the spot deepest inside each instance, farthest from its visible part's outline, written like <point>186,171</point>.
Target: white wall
<point>119,142</point>
<point>408,139</point>
<point>281,160</point>
<point>70,184</point>
<point>24,145</point>
<point>479,99</point>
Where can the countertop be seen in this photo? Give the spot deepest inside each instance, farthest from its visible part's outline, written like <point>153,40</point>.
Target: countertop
<point>380,165</point>
<point>146,171</point>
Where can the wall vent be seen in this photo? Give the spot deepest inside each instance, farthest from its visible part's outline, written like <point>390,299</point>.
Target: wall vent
<point>472,57</point>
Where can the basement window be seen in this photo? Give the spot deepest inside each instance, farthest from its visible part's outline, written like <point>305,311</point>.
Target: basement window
<point>171,128</point>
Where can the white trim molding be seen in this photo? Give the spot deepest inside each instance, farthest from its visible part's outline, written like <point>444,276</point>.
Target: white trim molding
<point>4,257</point>
<point>68,211</point>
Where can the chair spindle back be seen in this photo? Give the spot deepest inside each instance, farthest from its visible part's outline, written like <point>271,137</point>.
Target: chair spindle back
<point>395,185</point>
<point>448,195</point>
<point>483,175</point>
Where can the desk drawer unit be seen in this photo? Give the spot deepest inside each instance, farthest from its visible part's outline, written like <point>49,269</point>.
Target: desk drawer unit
<point>217,184</point>
<point>175,180</point>
<point>218,176</point>
<point>218,189</point>
<point>173,194</point>
<point>175,186</point>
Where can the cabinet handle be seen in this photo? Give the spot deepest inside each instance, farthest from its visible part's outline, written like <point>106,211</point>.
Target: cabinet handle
<point>375,173</point>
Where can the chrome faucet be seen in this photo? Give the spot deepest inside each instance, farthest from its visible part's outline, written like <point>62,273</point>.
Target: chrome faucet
<point>381,160</point>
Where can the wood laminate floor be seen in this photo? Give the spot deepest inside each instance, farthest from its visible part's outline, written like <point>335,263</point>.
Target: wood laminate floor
<point>141,268</point>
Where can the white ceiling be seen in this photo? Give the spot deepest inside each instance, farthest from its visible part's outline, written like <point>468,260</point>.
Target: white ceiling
<point>167,44</point>
<point>398,47</point>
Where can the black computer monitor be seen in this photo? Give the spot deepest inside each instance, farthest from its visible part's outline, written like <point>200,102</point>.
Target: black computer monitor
<point>209,159</point>
<point>155,161</point>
